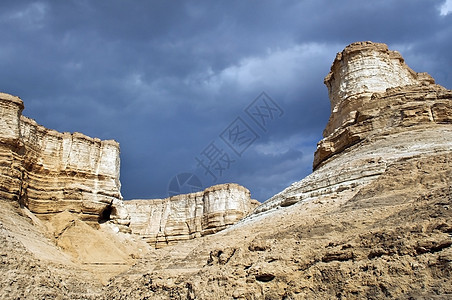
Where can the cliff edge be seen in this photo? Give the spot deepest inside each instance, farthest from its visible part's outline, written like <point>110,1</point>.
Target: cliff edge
<point>372,221</point>
<point>50,172</point>
<point>381,112</point>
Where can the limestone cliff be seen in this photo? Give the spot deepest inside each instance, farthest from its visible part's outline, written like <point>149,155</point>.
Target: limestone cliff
<point>372,91</point>
<point>163,222</point>
<point>50,172</point>
<point>381,112</point>
<point>372,221</point>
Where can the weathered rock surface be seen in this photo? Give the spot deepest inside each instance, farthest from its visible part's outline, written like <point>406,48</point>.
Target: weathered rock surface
<point>372,92</point>
<point>373,122</point>
<point>54,174</point>
<point>372,221</point>
<point>163,222</point>
<point>392,239</point>
<point>50,172</point>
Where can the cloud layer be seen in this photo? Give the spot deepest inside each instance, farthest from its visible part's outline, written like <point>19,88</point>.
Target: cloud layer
<point>166,78</point>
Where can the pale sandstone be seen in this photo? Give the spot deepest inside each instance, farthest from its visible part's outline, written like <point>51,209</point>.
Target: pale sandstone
<point>365,68</point>
<point>51,172</point>
<point>378,104</point>
<point>372,221</point>
<point>68,171</point>
<point>372,90</point>
<point>163,222</point>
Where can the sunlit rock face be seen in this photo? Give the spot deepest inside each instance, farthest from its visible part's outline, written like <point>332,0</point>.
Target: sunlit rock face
<point>11,148</point>
<point>381,111</point>
<point>366,68</point>
<point>50,172</point>
<point>370,88</point>
<point>373,221</point>
<point>163,222</point>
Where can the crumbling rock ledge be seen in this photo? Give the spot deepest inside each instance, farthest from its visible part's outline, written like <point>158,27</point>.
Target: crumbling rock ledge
<point>163,222</point>
<point>381,111</point>
<point>51,172</point>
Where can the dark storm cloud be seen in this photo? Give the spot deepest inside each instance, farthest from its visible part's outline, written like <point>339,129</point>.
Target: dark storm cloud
<point>165,78</point>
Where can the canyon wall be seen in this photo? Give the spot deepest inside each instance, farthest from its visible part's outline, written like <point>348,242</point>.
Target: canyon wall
<point>380,107</point>
<point>11,147</point>
<point>163,222</point>
<point>50,172</point>
<point>373,221</point>
<point>371,90</point>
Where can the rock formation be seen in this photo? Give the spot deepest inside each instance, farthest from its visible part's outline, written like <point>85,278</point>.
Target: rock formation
<point>363,103</point>
<point>51,172</point>
<point>378,104</point>
<point>163,222</point>
<point>372,221</point>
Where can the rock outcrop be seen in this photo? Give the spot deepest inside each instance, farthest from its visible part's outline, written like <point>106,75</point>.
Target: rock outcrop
<point>163,222</point>
<point>372,90</point>
<point>372,221</point>
<point>381,112</point>
<point>50,172</point>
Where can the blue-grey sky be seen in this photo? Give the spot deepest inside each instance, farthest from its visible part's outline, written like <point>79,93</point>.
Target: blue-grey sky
<point>171,80</point>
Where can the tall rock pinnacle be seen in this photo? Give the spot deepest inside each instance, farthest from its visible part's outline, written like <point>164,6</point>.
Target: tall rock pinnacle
<point>381,112</point>
<point>370,89</point>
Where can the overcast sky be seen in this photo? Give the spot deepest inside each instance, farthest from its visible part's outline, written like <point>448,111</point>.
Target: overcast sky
<point>178,83</point>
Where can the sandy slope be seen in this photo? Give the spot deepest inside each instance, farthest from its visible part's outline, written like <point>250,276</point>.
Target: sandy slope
<point>391,239</point>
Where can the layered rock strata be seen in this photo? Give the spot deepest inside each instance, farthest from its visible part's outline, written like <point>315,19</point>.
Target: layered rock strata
<point>163,222</point>
<point>375,97</point>
<point>372,221</point>
<point>50,172</point>
<point>11,149</point>
<point>371,90</point>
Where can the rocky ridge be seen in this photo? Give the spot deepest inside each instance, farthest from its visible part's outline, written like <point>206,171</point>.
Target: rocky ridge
<point>50,173</point>
<point>372,221</point>
<point>162,222</point>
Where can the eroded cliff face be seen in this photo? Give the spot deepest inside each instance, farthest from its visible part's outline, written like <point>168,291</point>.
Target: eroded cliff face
<point>163,222</point>
<point>50,172</point>
<point>10,147</point>
<point>373,91</point>
<point>381,112</point>
<point>372,221</point>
